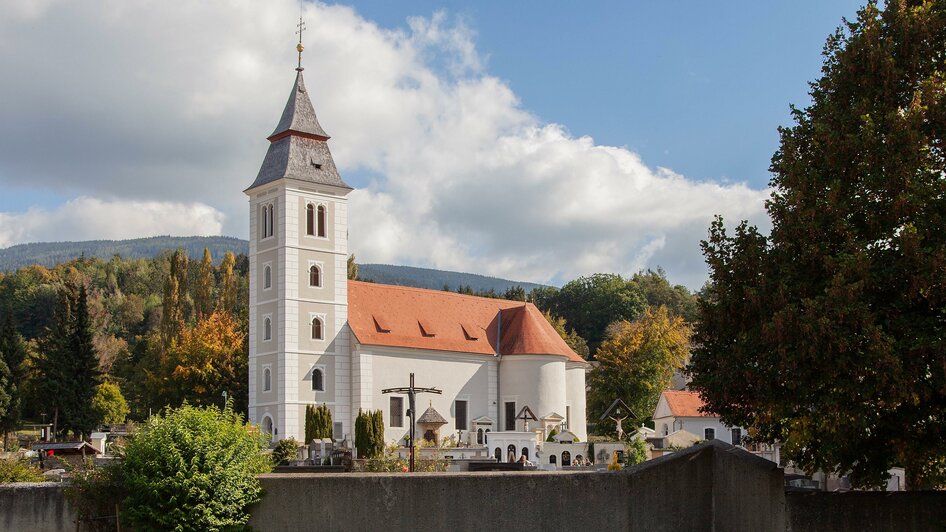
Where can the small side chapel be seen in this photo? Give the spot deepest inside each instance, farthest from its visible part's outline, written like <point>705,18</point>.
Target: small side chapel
<point>316,337</point>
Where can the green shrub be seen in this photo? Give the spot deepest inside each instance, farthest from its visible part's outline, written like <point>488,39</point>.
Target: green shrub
<point>635,451</point>
<point>193,468</point>
<point>285,451</point>
<point>18,470</point>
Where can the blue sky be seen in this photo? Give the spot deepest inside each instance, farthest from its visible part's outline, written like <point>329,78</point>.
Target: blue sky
<point>531,141</point>
<point>699,87</point>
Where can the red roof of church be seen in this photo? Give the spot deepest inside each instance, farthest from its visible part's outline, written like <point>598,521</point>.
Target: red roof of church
<point>684,403</point>
<point>400,316</point>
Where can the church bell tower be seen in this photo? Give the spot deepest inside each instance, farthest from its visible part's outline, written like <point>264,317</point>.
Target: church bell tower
<point>298,307</point>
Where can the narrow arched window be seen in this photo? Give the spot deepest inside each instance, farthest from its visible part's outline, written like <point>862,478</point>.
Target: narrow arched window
<point>552,459</point>
<point>267,380</point>
<point>321,223</point>
<point>486,437</point>
<point>566,458</point>
<point>318,381</point>
<point>267,277</point>
<point>309,220</point>
<point>525,452</point>
<point>272,215</point>
<point>317,332</point>
<point>263,216</point>
<point>315,276</point>
<point>479,436</point>
<point>267,329</point>
<point>498,454</point>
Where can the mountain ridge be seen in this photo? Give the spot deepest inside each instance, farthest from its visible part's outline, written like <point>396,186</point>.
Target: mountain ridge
<point>49,254</point>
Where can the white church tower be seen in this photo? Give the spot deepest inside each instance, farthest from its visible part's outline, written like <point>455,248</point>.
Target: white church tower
<point>298,324</point>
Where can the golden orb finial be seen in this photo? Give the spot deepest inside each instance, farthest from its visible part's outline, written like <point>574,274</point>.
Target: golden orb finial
<point>300,48</point>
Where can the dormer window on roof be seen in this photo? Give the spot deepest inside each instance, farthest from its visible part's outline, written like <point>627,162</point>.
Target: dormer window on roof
<point>426,328</point>
<point>471,331</point>
<point>381,323</point>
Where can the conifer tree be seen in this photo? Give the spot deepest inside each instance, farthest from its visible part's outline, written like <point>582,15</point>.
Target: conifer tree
<point>67,368</point>
<point>12,358</point>
<point>309,423</point>
<point>377,433</point>
<point>228,284</point>
<point>80,416</point>
<point>172,317</point>
<point>203,291</point>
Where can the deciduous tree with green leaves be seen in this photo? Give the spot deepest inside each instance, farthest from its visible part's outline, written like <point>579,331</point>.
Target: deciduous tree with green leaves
<point>829,334</point>
<point>193,468</point>
<point>109,404</point>
<point>590,304</point>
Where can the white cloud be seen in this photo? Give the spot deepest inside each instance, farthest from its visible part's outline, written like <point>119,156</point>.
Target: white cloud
<point>86,218</point>
<point>149,102</point>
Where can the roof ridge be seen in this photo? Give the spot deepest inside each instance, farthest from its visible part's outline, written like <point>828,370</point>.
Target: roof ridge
<point>442,292</point>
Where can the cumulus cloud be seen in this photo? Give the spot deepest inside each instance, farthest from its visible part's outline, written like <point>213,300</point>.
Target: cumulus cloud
<point>141,102</point>
<point>94,219</point>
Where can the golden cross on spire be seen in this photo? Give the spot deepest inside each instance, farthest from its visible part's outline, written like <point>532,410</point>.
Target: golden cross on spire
<point>299,47</point>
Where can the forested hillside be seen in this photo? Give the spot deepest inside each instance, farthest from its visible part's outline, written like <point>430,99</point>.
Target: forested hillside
<point>92,340</point>
<point>50,254</point>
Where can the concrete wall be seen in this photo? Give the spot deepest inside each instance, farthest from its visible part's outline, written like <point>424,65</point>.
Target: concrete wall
<point>685,491</point>
<point>37,507</point>
<point>712,486</point>
<point>854,511</point>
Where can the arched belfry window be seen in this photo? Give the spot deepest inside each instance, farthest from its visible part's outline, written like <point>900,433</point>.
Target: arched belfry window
<point>267,380</point>
<point>321,224</point>
<point>267,277</point>
<point>309,220</point>
<point>266,220</point>
<point>318,380</point>
<point>315,276</point>
<point>317,329</point>
<point>267,329</point>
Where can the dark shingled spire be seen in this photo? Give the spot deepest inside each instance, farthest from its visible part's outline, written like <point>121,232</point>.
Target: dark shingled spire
<point>299,116</point>
<point>298,148</point>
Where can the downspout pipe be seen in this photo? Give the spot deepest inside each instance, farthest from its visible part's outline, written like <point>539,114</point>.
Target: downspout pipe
<point>499,358</point>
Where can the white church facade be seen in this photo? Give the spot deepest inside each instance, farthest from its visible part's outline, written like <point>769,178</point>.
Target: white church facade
<point>316,337</point>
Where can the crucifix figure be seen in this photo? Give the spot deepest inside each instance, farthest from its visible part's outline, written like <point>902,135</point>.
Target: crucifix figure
<point>299,47</point>
<point>618,412</point>
<point>411,392</point>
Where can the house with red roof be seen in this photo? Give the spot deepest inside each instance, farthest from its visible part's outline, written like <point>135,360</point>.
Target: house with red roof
<point>682,410</point>
<point>316,337</point>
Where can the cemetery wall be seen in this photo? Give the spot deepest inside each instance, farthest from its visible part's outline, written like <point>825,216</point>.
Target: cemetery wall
<point>712,486</point>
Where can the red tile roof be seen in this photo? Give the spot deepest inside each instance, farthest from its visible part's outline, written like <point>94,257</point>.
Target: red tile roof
<point>685,404</point>
<point>400,316</point>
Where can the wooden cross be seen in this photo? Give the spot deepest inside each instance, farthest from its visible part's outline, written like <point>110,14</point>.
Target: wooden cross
<point>411,392</point>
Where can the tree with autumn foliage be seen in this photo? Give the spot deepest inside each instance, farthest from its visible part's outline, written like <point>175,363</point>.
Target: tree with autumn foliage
<point>577,343</point>
<point>829,334</point>
<point>209,359</point>
<point>637,362</point>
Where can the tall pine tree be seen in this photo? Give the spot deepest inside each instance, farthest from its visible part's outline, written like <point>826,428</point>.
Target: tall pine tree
<point>68,368</point>
<point>204,289</point>
<point>228,284</point>
<point>12,358</point>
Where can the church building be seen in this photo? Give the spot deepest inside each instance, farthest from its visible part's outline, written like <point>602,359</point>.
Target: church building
<point>316,337</point>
